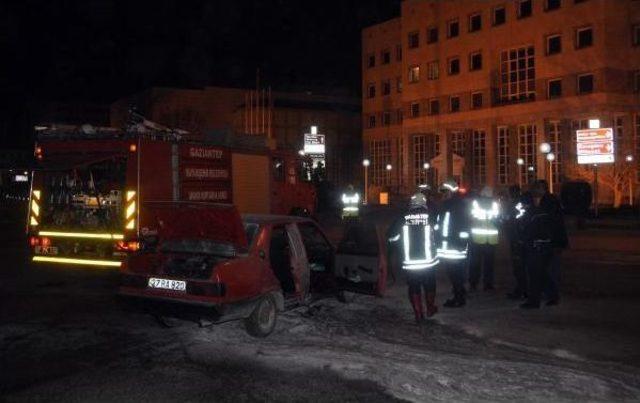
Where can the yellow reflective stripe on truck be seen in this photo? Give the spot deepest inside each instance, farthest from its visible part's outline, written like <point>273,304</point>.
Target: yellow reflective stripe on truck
<point>88,235</point>
<point>64,260</point>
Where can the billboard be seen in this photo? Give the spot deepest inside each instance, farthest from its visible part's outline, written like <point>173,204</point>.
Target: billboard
<point>314,144</point>
<point>595,146</point>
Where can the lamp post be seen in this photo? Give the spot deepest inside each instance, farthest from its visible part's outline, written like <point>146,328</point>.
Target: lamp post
<point>388,168</point>
<point>365,164</point>
<point>550,158</point>
<point>426,167</point>
<point>520,163</point>
<point>629,159</point>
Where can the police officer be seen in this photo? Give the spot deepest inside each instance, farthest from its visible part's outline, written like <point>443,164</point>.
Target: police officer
<point>419,257</point>
<point>538,227</point>
<point>453,236</point>
<point>350,204</point>
<point>485,211</point>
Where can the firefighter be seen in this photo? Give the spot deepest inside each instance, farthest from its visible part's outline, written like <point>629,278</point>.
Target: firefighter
<point>518,204</point>
<point>350,204</point>
<point>415,233</point>
<point>453,236</point>
<point>485,211</point>
<point>538,237</point>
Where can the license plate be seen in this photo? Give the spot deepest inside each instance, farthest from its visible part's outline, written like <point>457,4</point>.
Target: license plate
<point>46,250</point>
<point>166,284</point>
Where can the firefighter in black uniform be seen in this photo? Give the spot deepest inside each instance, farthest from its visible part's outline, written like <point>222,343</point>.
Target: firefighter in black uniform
<point>542,230</point>
<point>452,238</point>
<point>518,204</point>
<point>414,231</point>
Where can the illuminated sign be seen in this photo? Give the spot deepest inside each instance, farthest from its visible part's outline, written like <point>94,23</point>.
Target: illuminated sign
<point>21,178</point>
<point>314,144</point>
<point>595,146</point>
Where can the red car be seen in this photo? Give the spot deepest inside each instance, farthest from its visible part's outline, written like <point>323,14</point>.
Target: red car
<point>247,267</point>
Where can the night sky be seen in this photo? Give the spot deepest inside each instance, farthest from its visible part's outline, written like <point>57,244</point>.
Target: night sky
<point>99,50</point>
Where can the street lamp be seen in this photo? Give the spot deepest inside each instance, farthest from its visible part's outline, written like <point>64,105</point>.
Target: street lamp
<point>545,148</point>
<point>301,153</point>
<point>426,167</point>
<point>520,163</point>
<point>550,158</point>
<point>629,159</point>
<point>594,123</point>
<point>365,164</point>
<point>388,168</point>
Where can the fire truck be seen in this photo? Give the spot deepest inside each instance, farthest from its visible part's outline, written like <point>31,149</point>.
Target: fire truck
<point>90,188</point>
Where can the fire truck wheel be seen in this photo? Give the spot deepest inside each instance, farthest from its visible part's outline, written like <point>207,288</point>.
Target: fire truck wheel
<point>263,318</point>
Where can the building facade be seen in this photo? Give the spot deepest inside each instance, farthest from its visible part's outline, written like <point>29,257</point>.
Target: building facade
<point>472,87</point>
<point>285,116</point>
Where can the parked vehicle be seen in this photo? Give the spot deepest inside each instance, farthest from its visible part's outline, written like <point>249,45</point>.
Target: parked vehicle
<point>248,268</point>
<point>89,190</point>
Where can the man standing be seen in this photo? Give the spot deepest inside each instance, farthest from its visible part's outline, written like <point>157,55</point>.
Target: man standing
<point>453,236</point>
<point>518,205</point>
<point>350,204</point>
<point>419,258</point>
<point>540,233</point>
<point>484,238</point>
<point>559,241</point>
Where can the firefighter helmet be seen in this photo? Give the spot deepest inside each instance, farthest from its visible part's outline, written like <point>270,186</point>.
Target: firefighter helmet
<point>450,185</point>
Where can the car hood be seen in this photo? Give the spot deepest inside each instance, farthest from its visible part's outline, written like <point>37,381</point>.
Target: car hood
<point>171,221</point>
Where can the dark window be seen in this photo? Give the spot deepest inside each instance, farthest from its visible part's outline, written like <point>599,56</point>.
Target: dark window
<point>555,88</point>
<point>476,100</point>
<point>584,37</point>
<point>398,53</point>
<point>278,169</point>
<point>399,116</point>
<point>585,84</point>
<point>386,57</point>
<point>398,84</point>
<point>636,88</point>
<point>432,35</point>
<point>525,8</point>
<point>372,120</point>
<point>386,118</point>
<point>434,107</point>
<point>636,35</point>
<point>415,109</point>
<point>386,87</point>
<point>552,4</point>
<point>499,16</point>
<point>371,61</point>
<point>554,44</point>
<point>475,61</point>
<point>454,104</point>
<point>579,1</point>
<point>371,91</point>
<point>453,29</point>
<point>454,66</point>
<point>414,40</point>
<point>475,22</point>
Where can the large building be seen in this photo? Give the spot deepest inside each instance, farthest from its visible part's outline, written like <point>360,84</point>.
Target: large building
<point>471,87</point>
<point>285,116</point>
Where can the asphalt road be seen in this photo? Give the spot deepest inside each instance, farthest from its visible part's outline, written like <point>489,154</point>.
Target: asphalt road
<point>64,335</point>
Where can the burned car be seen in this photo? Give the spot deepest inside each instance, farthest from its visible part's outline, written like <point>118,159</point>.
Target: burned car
<point>246,268</point>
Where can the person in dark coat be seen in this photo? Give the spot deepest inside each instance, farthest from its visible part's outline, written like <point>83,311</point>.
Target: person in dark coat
<point>559,242</point>
<point>517,206</point>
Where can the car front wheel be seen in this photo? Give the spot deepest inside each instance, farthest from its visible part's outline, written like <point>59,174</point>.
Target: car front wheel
<point>263,318</point>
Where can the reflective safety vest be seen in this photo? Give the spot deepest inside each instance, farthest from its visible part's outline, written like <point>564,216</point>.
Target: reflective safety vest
<point>350,204</point>
<point>418,242</point>
<point>484,214</point>
<point>454,245</point>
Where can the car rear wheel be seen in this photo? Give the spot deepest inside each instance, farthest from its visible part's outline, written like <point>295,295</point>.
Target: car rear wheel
<point>263,318</point>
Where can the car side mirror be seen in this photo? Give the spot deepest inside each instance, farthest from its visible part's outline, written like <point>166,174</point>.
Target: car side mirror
<point>262,254</point>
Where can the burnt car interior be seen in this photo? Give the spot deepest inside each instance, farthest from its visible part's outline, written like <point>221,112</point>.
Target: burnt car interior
<point>320,255</point>
<point>280,259</point>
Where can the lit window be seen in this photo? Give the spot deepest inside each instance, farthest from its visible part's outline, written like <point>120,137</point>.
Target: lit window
<point>454,66</point>
<point>584,37</point>
<point>554,88</point>
<point>525,8</point>
<point>432,35</point>
<point>475,22</point>
<point>453,29</point>
<point>499,15</point>
<point>517,74</point>
<point>554,44</point>
<point>415,109</point>
<point>433,70</point>
<point>585,83</point>
<point>419,158</point>
<point>454,104</point>
<point>380,157</point>
<point>414,74</point>
<point>554,136</point>
<point>475,61</point>
<point>414,40</point>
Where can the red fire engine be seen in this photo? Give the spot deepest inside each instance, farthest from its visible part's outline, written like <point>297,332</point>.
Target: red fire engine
<point>89,193</point>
